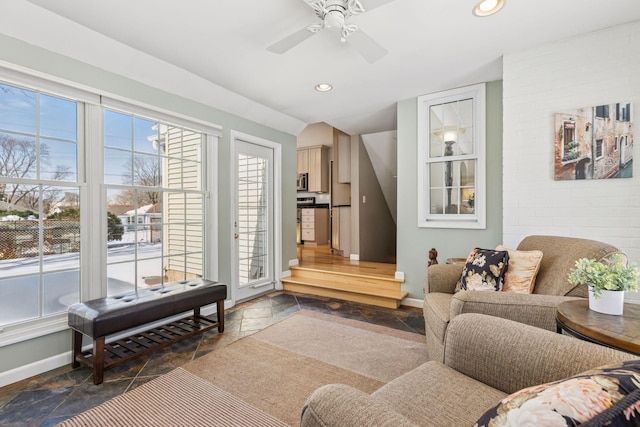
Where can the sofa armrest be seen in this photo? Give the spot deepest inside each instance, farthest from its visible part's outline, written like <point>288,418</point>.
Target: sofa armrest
<point>342,405</point>
<point>531,309</point>
<point>442,278</point>
<point>510,356</point>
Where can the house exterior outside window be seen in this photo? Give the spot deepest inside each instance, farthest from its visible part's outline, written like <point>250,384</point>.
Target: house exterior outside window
<point>451,153</point>
<point>40,206</point>
<point>155,169</point>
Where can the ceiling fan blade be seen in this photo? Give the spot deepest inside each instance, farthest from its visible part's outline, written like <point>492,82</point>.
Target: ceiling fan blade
<point>290,41</point>
<point>372,4</point>
<point>366,46</point>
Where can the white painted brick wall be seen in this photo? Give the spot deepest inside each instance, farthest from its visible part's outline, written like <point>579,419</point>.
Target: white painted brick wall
<point>602,67</point>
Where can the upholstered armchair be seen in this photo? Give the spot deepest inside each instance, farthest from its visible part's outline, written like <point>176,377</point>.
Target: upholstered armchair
<point>442,303</point>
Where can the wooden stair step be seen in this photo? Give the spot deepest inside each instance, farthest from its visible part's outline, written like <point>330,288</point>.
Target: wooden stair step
<point>321,272</point>
<point>306,271</point>
<point>370,282</point>
<point>354,287</point>
<point>311,289</point>
<point>366,286</point>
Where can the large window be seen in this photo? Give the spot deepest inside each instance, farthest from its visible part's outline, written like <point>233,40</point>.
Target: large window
<point>155,202</point>
<point>451,142</point>
<point>93,201</point>
<point>39,204</point>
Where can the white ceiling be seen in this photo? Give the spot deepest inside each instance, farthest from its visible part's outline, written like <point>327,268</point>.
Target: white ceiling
<point>214,51</point>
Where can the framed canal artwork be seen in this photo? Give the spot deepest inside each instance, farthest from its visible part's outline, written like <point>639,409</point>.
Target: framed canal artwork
<point>594,142</point>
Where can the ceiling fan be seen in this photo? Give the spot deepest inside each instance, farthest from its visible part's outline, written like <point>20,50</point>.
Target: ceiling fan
<point>334,15</point>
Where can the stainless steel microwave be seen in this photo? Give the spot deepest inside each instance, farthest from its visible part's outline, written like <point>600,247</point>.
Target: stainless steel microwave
<point>303,182</point>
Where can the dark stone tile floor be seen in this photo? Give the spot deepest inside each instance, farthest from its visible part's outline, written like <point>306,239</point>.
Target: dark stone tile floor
<point>57,395</point>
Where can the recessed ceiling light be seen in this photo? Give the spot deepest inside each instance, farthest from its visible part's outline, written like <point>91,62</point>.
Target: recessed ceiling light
<point>323,87</point>
<point>488,7</point>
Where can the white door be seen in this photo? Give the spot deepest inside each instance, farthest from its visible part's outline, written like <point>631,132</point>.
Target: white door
<point>253,221</point>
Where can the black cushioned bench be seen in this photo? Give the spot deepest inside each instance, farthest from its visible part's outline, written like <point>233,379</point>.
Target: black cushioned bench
<point>101,317</point>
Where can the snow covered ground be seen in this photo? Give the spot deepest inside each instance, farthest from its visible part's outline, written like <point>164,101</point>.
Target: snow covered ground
<point>19,284</point>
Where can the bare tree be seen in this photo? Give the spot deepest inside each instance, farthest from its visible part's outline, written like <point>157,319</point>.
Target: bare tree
<point>127,197</point>
<point>19,159</point>
<point>146,172</point>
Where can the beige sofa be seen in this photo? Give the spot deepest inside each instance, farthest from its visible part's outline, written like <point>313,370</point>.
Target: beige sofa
<point>536,309</point>
<point>485,359</point>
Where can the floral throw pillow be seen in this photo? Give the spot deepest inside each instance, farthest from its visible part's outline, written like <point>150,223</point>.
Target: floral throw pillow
<point>606,396</point>
<point>484,270</point>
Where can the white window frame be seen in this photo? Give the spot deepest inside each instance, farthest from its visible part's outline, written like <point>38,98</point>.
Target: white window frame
<point>46,325</point>
<point>93,257</point>
<point>426,219</point>
<point>210,134</point>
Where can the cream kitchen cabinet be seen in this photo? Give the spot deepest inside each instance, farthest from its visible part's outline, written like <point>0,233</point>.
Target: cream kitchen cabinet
<point>315,162</point>
<point>340,190</point>
<point>341,231</point>
<point>303,161</point>
<point>314,227</point>
<point>342,157</point>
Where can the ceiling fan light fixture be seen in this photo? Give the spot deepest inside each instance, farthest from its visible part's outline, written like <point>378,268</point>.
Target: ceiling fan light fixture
<point>334,19</point>
<point>323,87</point>
<point>488,7</point>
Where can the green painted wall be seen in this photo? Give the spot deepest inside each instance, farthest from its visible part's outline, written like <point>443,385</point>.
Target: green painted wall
<point>414,242</point>
<point>40,60</point>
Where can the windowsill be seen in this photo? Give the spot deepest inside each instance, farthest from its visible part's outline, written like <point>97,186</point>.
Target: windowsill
<point>24,332</point>
<point>462,224</point>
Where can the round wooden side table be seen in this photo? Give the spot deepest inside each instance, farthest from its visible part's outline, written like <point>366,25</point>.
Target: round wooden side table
<point>619,332</point>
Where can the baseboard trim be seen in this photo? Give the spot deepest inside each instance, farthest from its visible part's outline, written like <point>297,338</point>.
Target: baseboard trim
<point>354,257</point>
<point>293,262</point>
<point>283,275</point>
<point>27,371</point>
<point>412,302</point>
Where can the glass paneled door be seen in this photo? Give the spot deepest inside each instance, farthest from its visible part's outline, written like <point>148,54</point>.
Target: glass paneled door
<point>253,220</point>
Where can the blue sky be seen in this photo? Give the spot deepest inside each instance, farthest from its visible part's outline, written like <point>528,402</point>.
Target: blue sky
<point>19,114</point>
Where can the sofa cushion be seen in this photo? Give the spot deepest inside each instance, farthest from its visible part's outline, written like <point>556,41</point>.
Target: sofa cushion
<point>523,269</point>
<point>484,270</point>
<point>436,395</point>
<point>597,393</point>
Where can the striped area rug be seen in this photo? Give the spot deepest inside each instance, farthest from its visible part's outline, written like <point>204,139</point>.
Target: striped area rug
<point>175,399</point>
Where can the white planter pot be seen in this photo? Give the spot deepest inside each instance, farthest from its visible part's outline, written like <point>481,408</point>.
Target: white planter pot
<point>610,302</point>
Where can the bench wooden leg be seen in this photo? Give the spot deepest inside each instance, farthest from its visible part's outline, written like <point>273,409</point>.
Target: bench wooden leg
<point>76,345</point>
<point>220,310</point>
<point>98,361</point>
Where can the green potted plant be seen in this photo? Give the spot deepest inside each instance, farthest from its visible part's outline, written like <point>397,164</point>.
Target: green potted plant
<point>607,281</point>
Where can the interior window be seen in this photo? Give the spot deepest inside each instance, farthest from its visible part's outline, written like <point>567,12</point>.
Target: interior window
<point>451,138</point>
